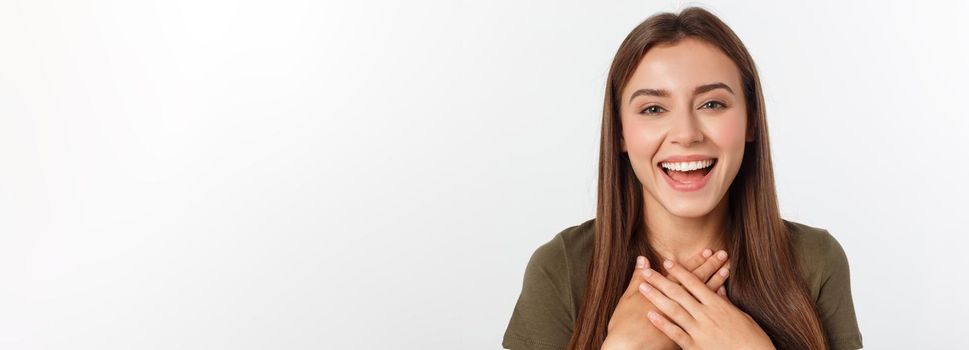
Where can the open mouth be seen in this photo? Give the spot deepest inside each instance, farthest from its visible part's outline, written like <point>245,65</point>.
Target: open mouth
<point>688,172</point>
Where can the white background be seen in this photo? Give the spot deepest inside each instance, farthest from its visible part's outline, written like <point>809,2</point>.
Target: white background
<point>375,175</point>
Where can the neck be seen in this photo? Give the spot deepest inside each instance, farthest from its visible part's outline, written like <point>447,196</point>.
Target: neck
<point>679,238</point>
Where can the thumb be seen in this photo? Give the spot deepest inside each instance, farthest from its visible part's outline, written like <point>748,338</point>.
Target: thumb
<point>637,278</point>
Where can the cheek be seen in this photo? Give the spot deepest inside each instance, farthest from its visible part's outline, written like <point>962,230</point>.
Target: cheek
<point>642,141</point>
<point>729,133</point>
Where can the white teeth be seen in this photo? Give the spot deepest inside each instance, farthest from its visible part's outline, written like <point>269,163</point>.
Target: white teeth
<point>687,166</point>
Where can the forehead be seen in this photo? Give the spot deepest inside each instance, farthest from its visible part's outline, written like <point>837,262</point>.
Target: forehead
<point>682,66</point>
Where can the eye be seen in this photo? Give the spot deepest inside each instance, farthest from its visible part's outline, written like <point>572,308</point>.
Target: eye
<point>654,109</point>
<point>714,105</point>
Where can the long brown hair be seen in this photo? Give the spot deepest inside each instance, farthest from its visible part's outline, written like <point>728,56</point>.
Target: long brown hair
<point>765,280</point>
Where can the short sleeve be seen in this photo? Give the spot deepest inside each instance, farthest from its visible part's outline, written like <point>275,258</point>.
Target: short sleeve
<point>543,317</point>
<point>834,303</point>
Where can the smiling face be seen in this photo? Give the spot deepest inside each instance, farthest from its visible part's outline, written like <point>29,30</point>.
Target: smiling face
<point>685,101</point>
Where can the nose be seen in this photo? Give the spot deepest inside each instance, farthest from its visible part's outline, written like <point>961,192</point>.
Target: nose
<point>685,130</point>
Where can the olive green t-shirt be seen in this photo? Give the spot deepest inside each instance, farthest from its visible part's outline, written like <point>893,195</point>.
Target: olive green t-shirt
<point>555,280</point>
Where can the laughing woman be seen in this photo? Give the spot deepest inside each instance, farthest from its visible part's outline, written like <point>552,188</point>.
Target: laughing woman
<point>687,248</point>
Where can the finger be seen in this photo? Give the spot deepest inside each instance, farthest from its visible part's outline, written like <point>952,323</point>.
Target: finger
<point>637,279</point>
<point>669,307</point>
<point>694,262</point>
<point>722,292</point>
<point>670,298</point>
<point>695,289</point>
<point>697,260</point>
<point>710,266</point>
<point>674,332</point>
<point>678,291</point>
<point>719,278</point>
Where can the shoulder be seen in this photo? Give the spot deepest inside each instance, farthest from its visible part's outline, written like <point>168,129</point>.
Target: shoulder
<point>577,240</point>
<point>812,240</point>
<point>564,258</point>
<point>566,246</point>
<point>818,253</point>
<point>824,265</point>
<point>545,312</point>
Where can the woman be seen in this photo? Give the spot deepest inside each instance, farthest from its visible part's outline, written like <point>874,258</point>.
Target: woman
<point>685,170</point>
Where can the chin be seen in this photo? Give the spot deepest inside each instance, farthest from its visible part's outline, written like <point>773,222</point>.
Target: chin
<point>685,208</point>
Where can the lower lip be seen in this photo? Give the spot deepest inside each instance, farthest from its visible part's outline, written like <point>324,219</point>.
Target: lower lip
<point>688,187</point>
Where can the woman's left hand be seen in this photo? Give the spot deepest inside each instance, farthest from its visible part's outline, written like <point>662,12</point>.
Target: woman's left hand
<point>701,319</point>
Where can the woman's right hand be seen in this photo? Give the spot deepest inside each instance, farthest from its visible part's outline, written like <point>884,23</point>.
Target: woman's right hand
<point>629,329</point>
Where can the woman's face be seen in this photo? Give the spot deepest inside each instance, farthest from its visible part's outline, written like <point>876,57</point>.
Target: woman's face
<point>683,109</point>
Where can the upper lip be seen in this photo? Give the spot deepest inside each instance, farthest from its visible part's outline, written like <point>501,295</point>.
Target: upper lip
<point>687,158</point>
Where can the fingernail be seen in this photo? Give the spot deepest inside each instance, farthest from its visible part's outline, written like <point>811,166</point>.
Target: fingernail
<point>644,287</point>
<point>707,253</point>
<point>723,272</point>
<point>668,264</point>
<point>651,315</point>
<point>647,272</point>
<point>640,262</point>
<point>722,255</point>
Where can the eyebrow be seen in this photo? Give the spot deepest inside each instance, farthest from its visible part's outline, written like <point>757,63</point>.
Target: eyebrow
<point>663,93</point>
